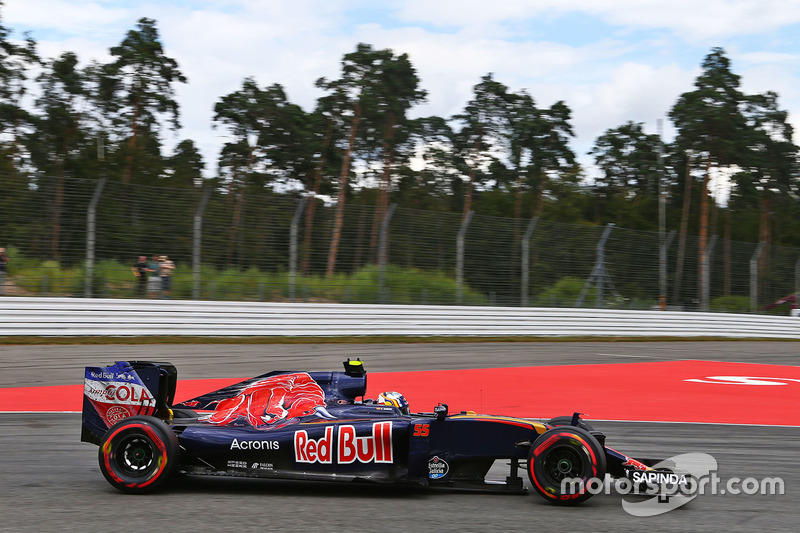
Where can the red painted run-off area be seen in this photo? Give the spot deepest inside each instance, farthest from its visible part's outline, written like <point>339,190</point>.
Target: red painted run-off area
<point>638,391</point>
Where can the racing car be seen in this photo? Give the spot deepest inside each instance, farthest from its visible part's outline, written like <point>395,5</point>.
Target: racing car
<point>319,426</point>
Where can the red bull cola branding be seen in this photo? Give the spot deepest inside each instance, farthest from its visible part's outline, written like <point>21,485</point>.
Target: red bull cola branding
<point>117,396</point>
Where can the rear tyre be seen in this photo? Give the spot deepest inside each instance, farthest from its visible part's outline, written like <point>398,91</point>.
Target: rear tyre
<point>138,454</point>
<point>565,463</point>
<point>567,421</point>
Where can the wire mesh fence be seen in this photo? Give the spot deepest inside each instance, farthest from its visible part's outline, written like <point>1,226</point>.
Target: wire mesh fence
<point>252,244</point>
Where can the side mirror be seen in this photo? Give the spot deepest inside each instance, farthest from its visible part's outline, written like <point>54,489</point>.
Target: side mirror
<point>440,411</point>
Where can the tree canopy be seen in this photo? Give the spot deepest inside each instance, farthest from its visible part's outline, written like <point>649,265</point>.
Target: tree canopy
<point>364,143</point>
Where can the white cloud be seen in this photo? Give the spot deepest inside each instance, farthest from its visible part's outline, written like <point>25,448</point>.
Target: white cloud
<point>775,77</point>
<point>449,65</point>
<point>452,43</point>
<point>689,18</point>
<point>635,92</point>
<point>74,17</point>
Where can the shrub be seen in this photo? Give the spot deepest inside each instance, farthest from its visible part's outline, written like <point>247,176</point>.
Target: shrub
<point>115,280</point>
<point>564,293</point>
<point>409,286</point>
<point>730,304</point>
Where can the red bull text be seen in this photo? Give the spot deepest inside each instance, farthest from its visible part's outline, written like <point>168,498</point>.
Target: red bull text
<point>373,448</point>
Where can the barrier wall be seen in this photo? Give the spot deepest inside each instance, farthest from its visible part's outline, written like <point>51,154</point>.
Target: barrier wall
<point>76,316</point>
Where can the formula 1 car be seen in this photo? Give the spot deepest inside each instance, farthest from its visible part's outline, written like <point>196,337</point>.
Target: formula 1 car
<point>318,426</point>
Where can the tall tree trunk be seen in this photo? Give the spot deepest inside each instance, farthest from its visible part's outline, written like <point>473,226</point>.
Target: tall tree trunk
<point>468,194</point>
<point>360,236</point>
<point>309,228</point>
<point>383,188</point>
<point>471,182</point>
<point>728,263</point>
<point>312,204</point>
<point>687,199</point>
<point>703,237</point>
<point>765,236</point>
<point>342,197</point>
<point>128,170</point>
<point>516,242</point>
<point>714,209</point>
<point>238,207</point>
<point>15,157</point>
<point>518,197</point>
<point>538,205</point>
<point>55,236</point>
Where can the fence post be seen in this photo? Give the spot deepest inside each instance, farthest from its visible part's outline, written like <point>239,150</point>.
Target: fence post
<point>662,210</point>
<point>601,257</point>
<point>705,278</point>
<point>197,243</point>
<point>460,256</point>
<point>662,270</point>
<point>91,216</point>
<point>293,246</point>
<point>383,245</point>
<point>526,260</point>
<point>599,273</point>
<point>754,276</point>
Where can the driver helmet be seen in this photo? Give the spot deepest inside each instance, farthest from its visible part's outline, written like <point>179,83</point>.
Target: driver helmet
<point>395,399</point>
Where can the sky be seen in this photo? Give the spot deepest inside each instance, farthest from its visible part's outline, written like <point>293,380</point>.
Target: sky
<point>610,61</point>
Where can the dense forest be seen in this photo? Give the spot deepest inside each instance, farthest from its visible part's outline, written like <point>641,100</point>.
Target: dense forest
<point>503,155</point>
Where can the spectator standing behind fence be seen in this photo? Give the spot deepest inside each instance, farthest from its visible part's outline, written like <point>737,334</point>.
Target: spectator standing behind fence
<point>3,270</point>
<point>140,269</point>
<point>165,270</point>
<point>154,283</point>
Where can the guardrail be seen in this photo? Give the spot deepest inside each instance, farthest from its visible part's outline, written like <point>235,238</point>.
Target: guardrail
<point>76,316</point>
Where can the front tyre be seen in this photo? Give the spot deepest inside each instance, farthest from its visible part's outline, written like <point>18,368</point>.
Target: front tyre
<point>138,454</point>
<point>564,463</point>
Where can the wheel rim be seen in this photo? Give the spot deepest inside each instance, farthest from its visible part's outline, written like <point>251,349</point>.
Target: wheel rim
<point>137,456</point>
<point>563,462</point>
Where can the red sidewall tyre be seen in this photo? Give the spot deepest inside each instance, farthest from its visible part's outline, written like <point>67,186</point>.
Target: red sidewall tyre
<point>138,454</point>
<point>566,453</point>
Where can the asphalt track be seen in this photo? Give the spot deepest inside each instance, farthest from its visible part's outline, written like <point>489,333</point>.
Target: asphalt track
<point>49,481</point>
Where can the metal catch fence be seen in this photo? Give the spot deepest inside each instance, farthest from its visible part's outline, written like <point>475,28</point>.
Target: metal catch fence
<point>81,238</point>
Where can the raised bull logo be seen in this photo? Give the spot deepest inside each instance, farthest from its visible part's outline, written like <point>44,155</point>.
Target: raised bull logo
<point>272,401</point>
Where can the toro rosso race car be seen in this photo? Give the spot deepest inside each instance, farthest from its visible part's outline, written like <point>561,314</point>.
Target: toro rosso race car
<point>318,426</point>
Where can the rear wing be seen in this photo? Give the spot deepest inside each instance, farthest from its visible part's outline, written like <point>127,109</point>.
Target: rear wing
<point>124,389</point>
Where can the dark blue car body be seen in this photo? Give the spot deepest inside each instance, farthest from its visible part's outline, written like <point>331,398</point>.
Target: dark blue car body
<point>314,426</point>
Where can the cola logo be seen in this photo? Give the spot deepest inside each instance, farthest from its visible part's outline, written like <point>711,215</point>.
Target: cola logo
<point>116,413</point>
